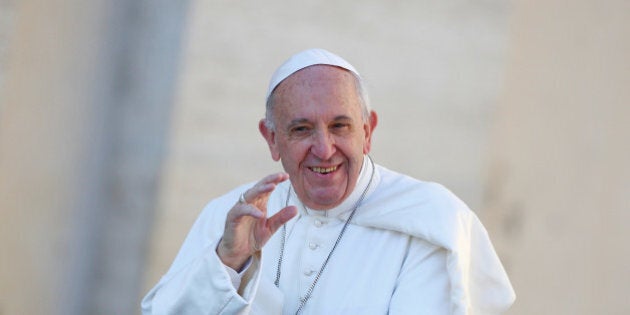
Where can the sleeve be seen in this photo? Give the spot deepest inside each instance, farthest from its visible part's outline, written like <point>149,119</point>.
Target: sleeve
<point>422,286</point>
<point>203,287</point>
<point>197,281</point>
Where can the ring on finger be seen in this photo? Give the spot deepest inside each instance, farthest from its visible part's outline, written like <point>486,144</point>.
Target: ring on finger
<point>241,199</point>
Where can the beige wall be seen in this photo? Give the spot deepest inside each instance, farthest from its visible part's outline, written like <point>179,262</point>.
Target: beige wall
<point>520,107</point>
<point>559,185</point>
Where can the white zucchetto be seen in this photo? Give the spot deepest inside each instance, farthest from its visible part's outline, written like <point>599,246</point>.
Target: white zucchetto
<point>306,58</point>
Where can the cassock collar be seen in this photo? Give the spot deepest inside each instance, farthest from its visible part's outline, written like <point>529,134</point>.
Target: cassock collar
<point>344,208</point>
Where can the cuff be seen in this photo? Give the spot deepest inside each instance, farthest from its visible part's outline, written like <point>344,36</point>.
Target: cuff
<point>235,277</point>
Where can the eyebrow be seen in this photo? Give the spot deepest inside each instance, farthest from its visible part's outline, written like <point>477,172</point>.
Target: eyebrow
<point>343,117</point>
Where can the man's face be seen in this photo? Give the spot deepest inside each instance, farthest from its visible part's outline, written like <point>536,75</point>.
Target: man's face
<point>320,135</point>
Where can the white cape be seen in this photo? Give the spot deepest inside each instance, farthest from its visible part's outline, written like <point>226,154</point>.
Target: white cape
<point>479,284</point>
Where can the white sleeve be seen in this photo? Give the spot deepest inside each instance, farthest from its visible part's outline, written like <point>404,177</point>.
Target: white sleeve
<point>199,283</point>
<point>203,287</point>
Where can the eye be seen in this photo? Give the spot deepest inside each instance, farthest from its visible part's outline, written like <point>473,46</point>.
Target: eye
<point>340,126</point>
<point>299,130</point>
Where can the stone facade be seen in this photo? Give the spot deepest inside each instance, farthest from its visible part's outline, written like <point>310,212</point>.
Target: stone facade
<point>108,150</point>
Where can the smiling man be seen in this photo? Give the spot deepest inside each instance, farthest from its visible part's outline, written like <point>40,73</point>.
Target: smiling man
<point>342,235</point>
<point>317,128</point>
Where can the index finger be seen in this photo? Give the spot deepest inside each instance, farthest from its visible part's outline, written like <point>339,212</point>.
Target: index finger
<point>265,185</point>
<point>276,178</point>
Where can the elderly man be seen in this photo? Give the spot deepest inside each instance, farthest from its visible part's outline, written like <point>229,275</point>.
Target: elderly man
<point>343,235</point>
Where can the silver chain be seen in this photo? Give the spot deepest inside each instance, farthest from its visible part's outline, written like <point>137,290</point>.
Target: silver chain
<point>309,292</point>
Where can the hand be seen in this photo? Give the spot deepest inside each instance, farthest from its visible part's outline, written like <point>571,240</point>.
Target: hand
<point>247,228</point>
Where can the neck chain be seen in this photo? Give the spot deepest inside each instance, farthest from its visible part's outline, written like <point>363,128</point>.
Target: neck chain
<point>309,292</point>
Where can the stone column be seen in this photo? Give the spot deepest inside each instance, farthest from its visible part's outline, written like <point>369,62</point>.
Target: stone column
<point>83,122</point>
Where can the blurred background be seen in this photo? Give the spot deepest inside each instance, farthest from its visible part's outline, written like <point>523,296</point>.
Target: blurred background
<point>120,120</point>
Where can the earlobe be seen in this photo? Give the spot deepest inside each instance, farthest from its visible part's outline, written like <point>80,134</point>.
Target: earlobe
<point>369,129</point>
<point>270,136</point>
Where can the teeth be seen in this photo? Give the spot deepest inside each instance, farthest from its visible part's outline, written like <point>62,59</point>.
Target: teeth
<point>323,170</point>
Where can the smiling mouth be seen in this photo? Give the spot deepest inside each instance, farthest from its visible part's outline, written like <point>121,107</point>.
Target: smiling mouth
<point>323,170</point>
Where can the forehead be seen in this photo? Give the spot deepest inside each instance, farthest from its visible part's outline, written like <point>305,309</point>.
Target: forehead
<point>317,90</point>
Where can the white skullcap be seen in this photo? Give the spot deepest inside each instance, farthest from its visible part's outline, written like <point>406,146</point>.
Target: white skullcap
<point>304,59</point>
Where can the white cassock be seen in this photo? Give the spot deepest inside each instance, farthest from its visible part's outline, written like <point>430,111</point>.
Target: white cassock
<point>412,247</point>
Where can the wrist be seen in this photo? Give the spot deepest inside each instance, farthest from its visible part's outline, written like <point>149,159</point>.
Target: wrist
<point>236,262</point>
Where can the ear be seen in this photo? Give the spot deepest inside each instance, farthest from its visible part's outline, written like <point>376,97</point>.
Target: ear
<point>270,137</point>
<point>369,129</point>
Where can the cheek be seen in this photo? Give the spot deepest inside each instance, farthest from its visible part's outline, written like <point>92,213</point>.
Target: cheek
<point>293,153</point>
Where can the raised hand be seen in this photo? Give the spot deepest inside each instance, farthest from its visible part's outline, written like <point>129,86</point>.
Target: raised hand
<point>247,228</point>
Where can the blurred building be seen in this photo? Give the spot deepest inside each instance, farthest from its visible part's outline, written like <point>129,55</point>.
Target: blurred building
<point>120,120</point>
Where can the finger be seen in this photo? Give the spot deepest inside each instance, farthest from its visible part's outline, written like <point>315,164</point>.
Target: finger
<point>245,210</point>
<point>283,216</point>
<point>274,178</point>
<point>268,183</point>
<point>264,186</point>
<point>258,190</point>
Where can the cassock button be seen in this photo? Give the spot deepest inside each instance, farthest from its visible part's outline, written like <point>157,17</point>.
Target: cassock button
<point>313,246</point>
<point>309,272</point>
<point>319,223</point>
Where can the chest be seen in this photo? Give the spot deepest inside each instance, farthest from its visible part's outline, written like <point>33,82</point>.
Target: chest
<point>359,278</point>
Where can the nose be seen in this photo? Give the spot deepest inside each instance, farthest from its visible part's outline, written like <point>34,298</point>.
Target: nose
<point>323,146</point>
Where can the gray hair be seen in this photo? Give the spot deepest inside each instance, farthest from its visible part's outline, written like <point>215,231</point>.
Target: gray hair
<point>360,89</point>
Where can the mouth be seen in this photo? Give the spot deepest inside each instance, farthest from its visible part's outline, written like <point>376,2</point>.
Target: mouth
<point>323,170</point>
